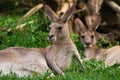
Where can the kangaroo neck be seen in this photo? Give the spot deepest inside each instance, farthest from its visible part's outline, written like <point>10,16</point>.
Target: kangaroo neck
<point>64,41</point>
<point>95,52</point>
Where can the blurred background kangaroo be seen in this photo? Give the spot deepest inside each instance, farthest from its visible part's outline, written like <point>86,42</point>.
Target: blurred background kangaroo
<point>87,37</point>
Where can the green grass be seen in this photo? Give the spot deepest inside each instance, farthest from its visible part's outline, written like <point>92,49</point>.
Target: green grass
<point>32,35</point>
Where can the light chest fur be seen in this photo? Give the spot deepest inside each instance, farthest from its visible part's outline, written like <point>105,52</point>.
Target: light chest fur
<point>62,55</point>
<point>95,53</point>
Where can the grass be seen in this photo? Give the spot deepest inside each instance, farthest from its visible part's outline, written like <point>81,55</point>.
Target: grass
<point>32,35</point>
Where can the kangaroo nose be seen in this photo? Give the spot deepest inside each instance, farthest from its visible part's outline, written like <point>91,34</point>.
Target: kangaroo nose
<point>87,44</point>
<point>50,36</point>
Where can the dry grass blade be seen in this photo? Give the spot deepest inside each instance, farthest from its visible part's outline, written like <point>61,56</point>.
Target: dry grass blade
<point>113,5</point>
<point>31,12</point>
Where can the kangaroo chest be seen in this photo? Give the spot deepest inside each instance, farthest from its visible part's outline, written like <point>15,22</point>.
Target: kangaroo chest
<point>63,56</point>
<point>94,54</point>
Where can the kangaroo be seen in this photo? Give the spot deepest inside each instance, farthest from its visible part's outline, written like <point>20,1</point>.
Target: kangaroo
<point>59,54</point>
<point>109,56</point>
<point>23,61</point>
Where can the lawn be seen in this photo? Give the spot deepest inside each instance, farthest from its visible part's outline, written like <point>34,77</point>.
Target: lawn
<point>34,34</point>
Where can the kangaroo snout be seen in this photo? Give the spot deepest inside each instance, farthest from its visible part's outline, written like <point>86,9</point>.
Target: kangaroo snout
<point>87,44</point>
<point>51,37</point>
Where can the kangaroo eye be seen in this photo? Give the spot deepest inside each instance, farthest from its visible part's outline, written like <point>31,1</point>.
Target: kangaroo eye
<point>59,28</point>
<point>82,36</point>
<point>92,36</point>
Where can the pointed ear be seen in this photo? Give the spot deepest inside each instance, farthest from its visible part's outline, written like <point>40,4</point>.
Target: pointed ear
<point>51,14</point>
<point>92,22</point>
<point>80,26</point>
<point>88,20</point>
<point>65,17</point>
<point>96,23</point>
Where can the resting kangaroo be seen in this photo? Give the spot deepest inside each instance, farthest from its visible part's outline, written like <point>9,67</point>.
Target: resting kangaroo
<point>110,56</point>
<point>59,54</point>
<point>22,61</point>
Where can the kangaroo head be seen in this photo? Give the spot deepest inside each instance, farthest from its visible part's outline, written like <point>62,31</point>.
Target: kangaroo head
<point>58,27</point>
<point>87,33</point>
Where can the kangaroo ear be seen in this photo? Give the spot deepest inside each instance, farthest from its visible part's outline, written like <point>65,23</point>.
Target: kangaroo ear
<point>65,17</point>
<point>51,14</point>
<point>92,22</point>
<point>80,26</point>
<point>96,23</point>
<point>88,20</point>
